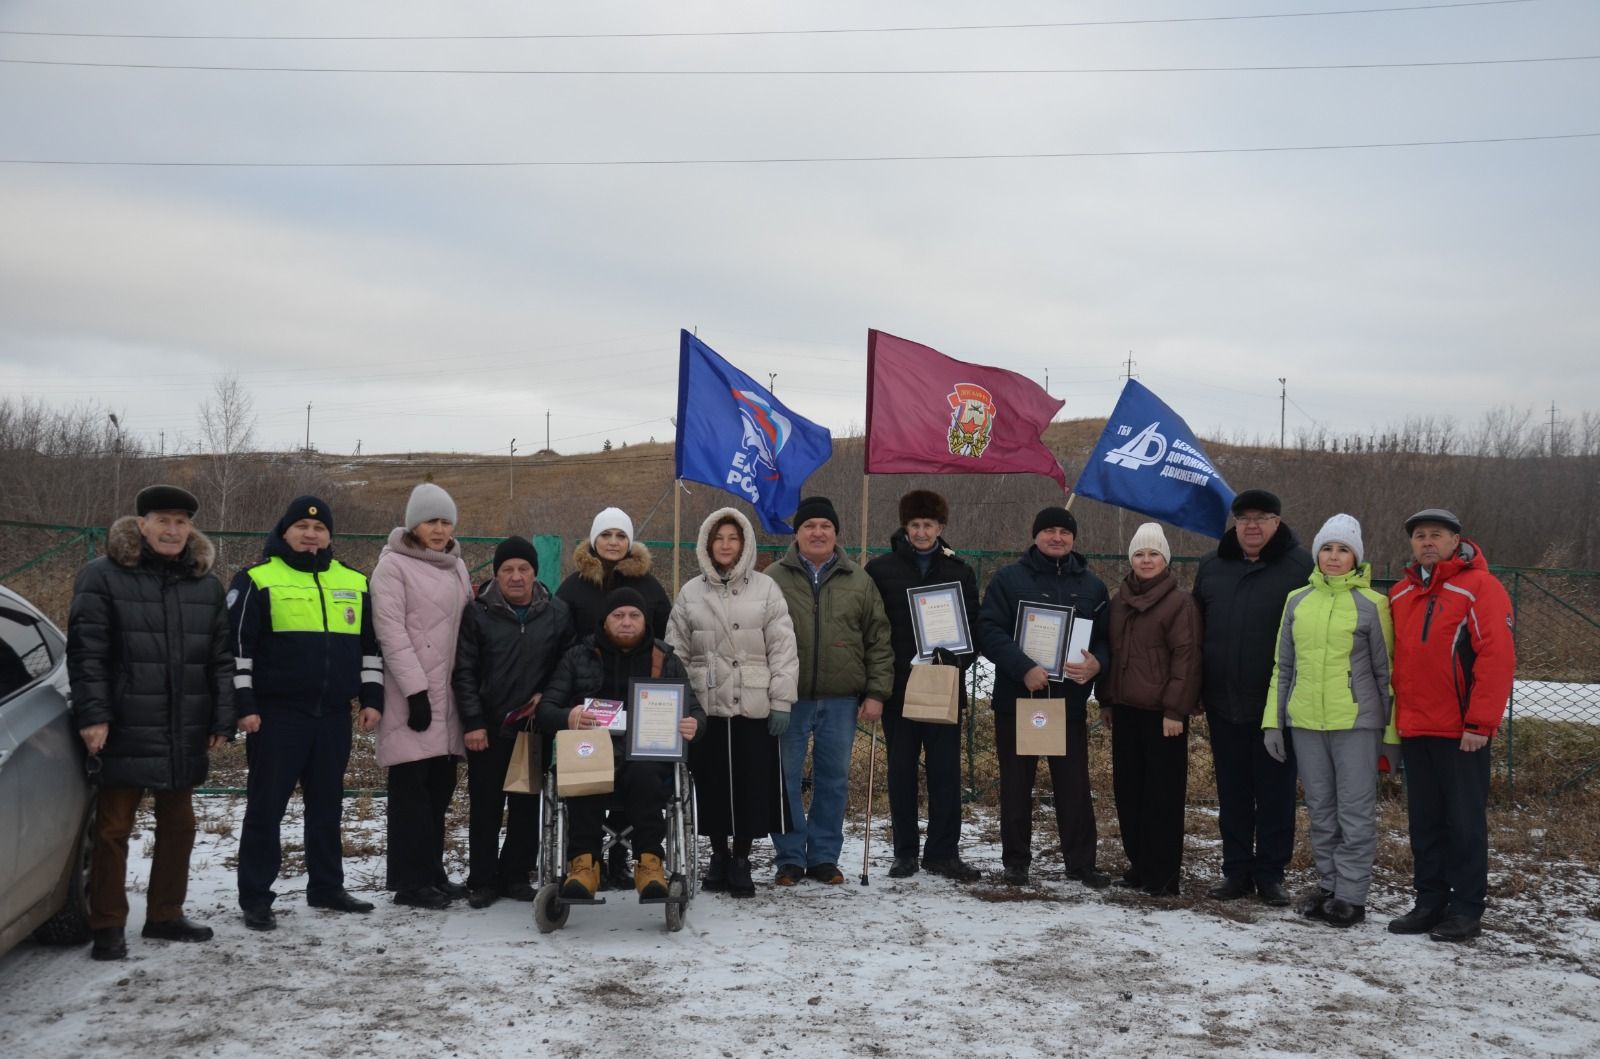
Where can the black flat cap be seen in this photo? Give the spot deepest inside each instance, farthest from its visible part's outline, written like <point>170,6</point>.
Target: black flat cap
<point>1434,514</point>
<point>165,498</point>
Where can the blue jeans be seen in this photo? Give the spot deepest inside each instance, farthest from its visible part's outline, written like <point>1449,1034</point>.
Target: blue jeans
<point>818,834</point>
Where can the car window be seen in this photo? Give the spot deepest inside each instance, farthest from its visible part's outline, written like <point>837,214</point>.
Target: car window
<point>24,653</point>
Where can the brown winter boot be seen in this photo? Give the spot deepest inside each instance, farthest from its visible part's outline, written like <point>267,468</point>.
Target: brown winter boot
<point>583,878</point>
<point>648,877</point>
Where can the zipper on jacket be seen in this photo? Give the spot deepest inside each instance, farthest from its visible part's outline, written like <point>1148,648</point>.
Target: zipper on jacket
<point>1427,618</point>
<point>816,630</point>
<point>322,602</point>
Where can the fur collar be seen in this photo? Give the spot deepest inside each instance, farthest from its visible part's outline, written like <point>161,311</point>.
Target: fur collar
<point>635,564</point>
<point>702,547</point>
<point>125,546</point>
<point>398,544</point>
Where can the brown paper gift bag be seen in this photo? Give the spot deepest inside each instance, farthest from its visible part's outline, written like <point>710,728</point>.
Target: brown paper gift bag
<point>522,773</point>
<point>933,695</point>
<point>1041,727</point>
<point>584,764</point>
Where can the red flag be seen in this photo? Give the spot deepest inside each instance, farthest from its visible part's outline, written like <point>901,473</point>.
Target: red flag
<point>929,413</point>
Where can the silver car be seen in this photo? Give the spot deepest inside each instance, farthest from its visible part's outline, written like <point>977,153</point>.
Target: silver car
<point>45,797</point>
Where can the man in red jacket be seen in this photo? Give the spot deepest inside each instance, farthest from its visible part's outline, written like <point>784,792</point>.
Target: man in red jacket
<point>1454,661</point>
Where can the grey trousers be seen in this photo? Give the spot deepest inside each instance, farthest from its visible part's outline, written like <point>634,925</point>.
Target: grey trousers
<point>1339,771</point>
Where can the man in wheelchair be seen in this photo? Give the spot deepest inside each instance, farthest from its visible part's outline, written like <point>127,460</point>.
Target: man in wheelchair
<point>600,666</point>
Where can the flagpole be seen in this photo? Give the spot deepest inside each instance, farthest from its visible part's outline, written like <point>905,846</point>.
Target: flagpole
<point>677,531</point>
<point>864,479</point>
<point>1070,498</point>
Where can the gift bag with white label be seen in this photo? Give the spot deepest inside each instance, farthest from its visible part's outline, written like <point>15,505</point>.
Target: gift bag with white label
<point>933,694</point>
<point>584,764</point>
<point>1041,727</point>
<point>522,771</point>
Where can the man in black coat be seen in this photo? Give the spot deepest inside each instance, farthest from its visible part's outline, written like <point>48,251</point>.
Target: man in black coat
<point>1241,588</point>
<point>1049,572</point>
<point>919,557</point>
<point>602,666</point>
<point>512,635</point>
<point>152,691</point>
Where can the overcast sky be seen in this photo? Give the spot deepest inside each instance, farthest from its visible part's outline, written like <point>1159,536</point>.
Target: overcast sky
<point>449,308</point>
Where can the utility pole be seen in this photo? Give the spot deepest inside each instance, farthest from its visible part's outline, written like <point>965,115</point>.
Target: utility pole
<point>547,430</point>
<point>772,382</point>
<point>308,430</point>
<point>163,443</point>
<point>1552,428</point>
<point>1283,404</point>
<point>1047,380</point>
<point>1127,371</point>
<point>511,467</point>
<point>116,486</point>
<point>358,446</point>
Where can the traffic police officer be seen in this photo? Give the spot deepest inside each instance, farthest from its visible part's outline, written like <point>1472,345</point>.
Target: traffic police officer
<point>305,651</point>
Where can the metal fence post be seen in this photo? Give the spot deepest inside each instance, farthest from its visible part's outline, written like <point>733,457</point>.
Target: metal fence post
<point>1511,704</point>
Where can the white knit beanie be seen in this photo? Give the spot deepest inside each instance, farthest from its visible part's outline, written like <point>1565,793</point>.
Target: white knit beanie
<point>427,503</point>
<point>1150,535</point>
<point>1342,528</point>
<point>610,518</point>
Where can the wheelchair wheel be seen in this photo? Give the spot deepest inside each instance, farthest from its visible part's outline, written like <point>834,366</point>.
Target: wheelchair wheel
<point>549,912</point>
<point>677,903</point>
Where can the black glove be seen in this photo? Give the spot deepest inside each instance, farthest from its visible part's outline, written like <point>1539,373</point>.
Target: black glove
<point>943,656</point>
<point>421,712</point>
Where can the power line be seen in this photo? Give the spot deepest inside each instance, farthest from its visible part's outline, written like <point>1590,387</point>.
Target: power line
<point>813,160</point>
<point>831,31</point>
<point>875,72</point>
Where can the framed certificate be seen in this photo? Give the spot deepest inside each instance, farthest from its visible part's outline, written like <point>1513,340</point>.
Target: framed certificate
<point>656,707</point>
<point>939,619</point>
<point>1043,632</point>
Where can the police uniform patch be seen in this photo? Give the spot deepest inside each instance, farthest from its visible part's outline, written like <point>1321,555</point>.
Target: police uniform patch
<point>349,615</point>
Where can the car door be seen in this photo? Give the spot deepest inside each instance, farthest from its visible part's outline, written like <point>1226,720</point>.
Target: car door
<point>42,790</point>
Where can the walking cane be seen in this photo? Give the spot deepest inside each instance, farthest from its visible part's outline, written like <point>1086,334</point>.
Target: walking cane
<point>872,765</point>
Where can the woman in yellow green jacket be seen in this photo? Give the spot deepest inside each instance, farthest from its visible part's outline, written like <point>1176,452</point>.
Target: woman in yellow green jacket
<point>1331,686</point>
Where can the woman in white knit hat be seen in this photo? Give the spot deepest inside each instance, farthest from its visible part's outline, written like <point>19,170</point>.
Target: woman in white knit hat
<point>1330,686</point>
<point>1147,696</point>
<point>611,559</point>
<point>419,589</point>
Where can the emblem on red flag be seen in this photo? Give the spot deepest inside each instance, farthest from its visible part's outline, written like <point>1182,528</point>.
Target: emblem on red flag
<point>972,414</point>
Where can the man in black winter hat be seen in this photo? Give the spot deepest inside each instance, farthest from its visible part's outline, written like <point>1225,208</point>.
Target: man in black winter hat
<point>1049,572</point>
<point>1241,588</point>
<point>306,653</point>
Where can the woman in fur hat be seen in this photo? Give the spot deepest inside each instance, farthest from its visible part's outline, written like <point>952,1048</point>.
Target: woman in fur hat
<point>419,589</point>
<point>731,627</point>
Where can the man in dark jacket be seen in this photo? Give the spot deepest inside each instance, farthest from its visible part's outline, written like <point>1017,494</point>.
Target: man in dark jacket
<point>919,557</point>
<point>1455,659</point>
<point>1241,588</point>
<point>152,692</point>
<point>305,653</point>
<point>1049,572</point>
<point>601,666</point>
<point>512,635</point>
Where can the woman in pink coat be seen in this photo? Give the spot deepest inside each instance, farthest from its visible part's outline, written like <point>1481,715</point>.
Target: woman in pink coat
<point>419,589</point>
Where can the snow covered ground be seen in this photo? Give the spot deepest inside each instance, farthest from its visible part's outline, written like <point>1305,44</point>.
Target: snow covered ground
<point>899,968</point>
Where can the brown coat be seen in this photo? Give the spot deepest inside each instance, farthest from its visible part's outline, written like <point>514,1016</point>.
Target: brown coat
<point>1155,647</point>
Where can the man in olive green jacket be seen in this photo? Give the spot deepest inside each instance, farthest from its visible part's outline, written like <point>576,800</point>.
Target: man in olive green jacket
<point>846,671</point>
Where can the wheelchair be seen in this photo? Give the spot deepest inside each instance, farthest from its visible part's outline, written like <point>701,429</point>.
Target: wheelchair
<point>680,847</point>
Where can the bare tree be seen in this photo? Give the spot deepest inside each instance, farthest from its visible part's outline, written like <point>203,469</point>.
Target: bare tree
<point>227,432</point>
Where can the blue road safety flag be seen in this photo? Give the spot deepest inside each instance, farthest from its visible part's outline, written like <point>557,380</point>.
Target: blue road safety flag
<point>733,434</point>
<point>1149,461</point>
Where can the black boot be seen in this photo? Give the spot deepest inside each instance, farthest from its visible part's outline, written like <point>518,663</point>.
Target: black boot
<point>179,929</point>
<point>261,918</point>
<point>951,868</point>
<point>109,944</point>
<point>340,901</point>
<point>1341,913</point>
<point>1092,877</point>
<point>1230,889</point>
<point>1456,928</point>
<point>740,884</point>
<point>1419,920</point>
<point>715,879</point>
<point>903,868</point>
<point>1273,893</point>
<point>422,897</point>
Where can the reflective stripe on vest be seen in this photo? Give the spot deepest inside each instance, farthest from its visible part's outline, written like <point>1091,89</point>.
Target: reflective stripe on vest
<point>293,597</point>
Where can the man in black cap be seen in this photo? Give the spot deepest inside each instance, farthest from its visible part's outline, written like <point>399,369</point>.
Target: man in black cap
<point>846,671</point>
<point>152,692</point>
<point>1049,572</point>
<point>306,653</point>
<point>512,635</point>
<point>1241,588</point>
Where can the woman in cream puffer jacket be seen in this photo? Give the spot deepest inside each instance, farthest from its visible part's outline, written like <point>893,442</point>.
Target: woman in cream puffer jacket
<point>731,628</point>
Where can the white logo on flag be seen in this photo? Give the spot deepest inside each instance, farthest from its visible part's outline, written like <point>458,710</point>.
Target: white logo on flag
<point>1146,449</point>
